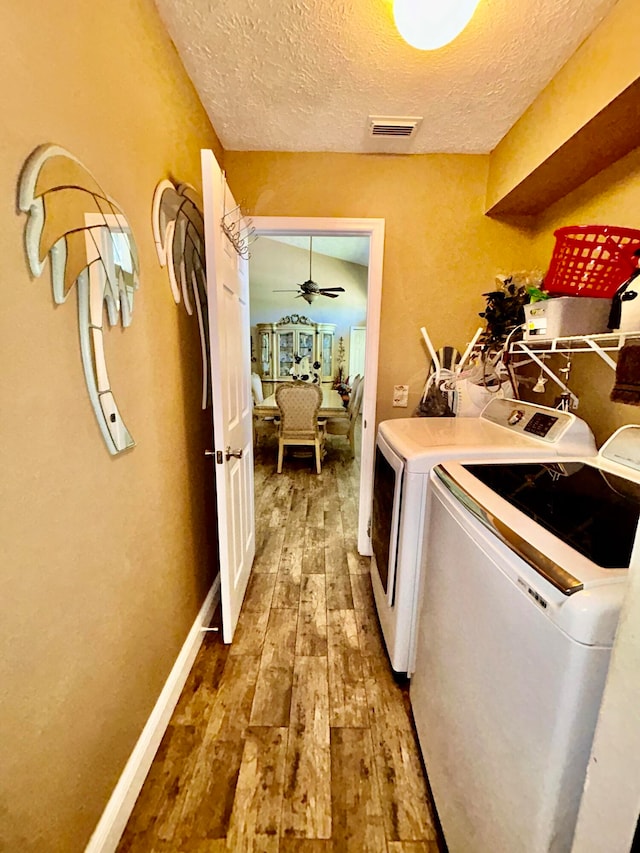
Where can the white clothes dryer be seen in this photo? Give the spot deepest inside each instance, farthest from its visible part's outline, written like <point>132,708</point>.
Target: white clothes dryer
<point>406,451</point>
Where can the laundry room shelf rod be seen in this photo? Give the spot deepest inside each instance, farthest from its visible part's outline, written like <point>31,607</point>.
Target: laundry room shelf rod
<point>600,344</point>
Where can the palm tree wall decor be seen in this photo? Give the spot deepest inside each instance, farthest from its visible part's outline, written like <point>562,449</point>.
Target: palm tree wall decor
<point>178,231</point>
<point>89,243</point>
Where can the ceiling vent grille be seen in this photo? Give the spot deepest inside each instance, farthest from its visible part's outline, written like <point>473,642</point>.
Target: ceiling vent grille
<point>393,127</point>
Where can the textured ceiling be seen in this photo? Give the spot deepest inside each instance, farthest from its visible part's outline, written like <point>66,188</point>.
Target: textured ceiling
<point>304,75</point>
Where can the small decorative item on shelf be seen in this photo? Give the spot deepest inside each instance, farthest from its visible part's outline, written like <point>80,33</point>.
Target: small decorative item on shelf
<point>504,311</point>
<point>304,371</point>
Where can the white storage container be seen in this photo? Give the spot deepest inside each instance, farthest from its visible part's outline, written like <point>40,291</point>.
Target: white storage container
<point>566,316</point>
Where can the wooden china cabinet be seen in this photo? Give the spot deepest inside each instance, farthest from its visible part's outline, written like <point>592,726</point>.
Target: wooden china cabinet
<point>294,335</point>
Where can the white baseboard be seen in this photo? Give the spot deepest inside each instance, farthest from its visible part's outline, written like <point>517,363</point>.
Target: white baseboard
<point>114,818</point>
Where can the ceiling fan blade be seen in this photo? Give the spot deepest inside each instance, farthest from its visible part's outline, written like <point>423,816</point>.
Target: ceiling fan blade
<point>284,291</point>
<point>330,295</point>
<point>337,289</point>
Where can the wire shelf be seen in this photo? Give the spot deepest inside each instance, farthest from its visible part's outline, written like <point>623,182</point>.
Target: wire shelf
<point>609,342</point>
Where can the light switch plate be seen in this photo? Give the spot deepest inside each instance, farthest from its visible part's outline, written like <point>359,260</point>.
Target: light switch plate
<point>400,396</point>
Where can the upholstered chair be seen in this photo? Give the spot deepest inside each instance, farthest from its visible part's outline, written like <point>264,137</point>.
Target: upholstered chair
<point>299,403</point>
<point>263,425</point>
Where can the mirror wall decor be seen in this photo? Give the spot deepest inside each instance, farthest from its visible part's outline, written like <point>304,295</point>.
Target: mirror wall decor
<point>178,231</point>
<point>90,244</point>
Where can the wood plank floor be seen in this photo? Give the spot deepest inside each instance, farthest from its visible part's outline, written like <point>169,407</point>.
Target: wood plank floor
<point>296,738</point>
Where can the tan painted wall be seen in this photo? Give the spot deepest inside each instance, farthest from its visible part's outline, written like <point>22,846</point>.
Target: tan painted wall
<point>600,70</point>
<point>441,253</point>
<point>101,557</point>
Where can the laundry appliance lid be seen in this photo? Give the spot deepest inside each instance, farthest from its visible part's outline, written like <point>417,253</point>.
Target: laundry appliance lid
<point>423,442</point>
<point>572,590</point>
<point>594,511</point>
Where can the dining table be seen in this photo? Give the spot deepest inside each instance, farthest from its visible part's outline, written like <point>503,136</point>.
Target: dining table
<point>332,405</point>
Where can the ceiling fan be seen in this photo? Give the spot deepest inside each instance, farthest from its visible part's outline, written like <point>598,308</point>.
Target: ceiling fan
<point>309,290</point>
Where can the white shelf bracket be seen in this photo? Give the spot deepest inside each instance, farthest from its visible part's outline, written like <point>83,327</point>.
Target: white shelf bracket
<point>522,347</point>
<point>595,346</point>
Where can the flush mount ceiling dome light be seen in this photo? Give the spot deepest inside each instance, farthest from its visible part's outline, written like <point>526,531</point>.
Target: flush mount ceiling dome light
<point>430,24</point>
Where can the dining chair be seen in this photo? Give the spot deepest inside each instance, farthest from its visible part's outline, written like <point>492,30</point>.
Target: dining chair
<point>346,425</point>
<point>263,425</point>
<point>299,404</point>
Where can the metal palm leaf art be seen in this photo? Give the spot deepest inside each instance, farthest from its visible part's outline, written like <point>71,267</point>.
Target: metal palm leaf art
<point>178,230</point>
<point>89,244</point>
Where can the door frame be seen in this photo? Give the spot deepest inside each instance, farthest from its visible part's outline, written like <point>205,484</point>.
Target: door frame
<point>344,227</point>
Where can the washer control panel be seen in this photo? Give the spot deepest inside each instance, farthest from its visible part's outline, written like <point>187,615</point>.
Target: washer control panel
<point>537,422</point>
<point>540,424</point>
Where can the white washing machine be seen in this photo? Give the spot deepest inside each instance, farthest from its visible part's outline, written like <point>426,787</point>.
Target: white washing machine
<point>406,451</point>
<point>525,570</point>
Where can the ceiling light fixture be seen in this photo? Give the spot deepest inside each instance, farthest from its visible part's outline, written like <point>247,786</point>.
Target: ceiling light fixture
<point>430,24</point>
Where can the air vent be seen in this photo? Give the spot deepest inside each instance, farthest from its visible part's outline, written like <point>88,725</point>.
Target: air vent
<point>394,127</point>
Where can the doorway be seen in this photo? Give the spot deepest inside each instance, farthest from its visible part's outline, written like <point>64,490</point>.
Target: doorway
<point>373,230</point>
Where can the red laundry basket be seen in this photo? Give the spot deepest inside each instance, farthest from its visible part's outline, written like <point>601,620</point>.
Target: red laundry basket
<point>591,260</point>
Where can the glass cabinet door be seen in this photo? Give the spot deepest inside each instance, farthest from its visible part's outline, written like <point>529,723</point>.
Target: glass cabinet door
<point>305,345</point>
<point>285,354</point>
<point>265,352</point>
<point>327,355</point>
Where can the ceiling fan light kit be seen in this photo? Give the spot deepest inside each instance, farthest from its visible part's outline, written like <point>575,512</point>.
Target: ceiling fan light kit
<point>309,290</point>
<point>430,24</point>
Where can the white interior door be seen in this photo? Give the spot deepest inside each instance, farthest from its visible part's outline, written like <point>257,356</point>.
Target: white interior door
<point>357,350</point>
<point>228,294</point>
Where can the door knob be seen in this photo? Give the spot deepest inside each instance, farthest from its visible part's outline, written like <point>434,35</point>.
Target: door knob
<point>209,453</point>
<point>237,454</point>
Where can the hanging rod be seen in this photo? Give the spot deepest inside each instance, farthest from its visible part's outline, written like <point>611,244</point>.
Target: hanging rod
<point>600,344</point>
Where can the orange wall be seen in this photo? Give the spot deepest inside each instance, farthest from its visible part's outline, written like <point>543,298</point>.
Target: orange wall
<point>441,253</point>
<point>102,557</point>
<point>589,83</point>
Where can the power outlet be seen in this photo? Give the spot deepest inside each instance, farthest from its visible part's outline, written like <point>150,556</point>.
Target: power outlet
<point>400,396</point>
